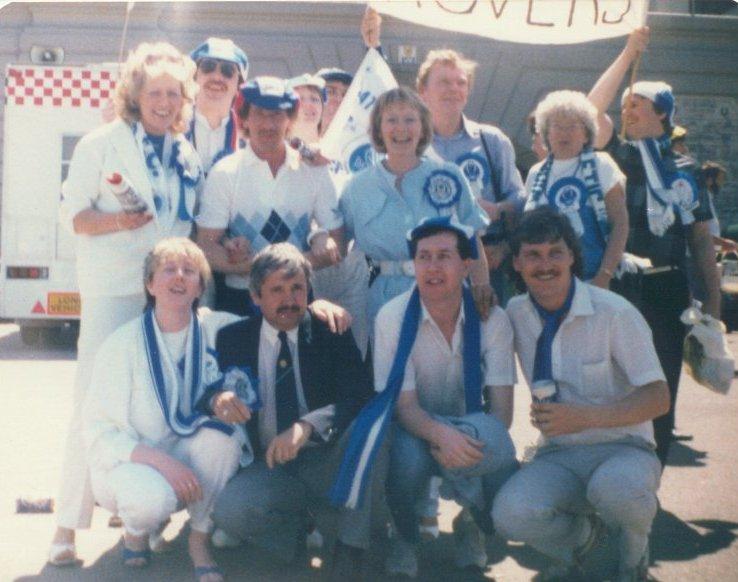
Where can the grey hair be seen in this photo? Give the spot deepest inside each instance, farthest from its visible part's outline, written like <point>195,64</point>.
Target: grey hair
<point>277,257</point>
<point>570,104</point>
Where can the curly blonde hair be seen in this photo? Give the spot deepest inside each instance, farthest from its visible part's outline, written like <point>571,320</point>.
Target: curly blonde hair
<point>573,104</point>
<point>149,61</point>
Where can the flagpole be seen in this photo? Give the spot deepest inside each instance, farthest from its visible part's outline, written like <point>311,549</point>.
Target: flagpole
<point>634,72</point>
<point>129,7</point>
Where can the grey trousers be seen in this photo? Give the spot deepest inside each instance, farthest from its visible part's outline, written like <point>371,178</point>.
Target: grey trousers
<point>545,503</point>
<point>269,506</point>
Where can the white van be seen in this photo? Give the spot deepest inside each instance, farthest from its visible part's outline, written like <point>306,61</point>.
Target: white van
<point>47,110</point>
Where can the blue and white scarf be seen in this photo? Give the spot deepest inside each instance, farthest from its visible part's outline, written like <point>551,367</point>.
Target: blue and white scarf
<point>595,197</point>
<point>371,424</point>
<point>667,190</point>
<point>172,178</point>
<point>177,391</point>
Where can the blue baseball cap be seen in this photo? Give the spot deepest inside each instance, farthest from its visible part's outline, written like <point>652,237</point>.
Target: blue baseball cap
<point>223,49</point>
<point>442,223</point>
<point>658,92</point>
<point>335,74</point>
<point>270,93</point>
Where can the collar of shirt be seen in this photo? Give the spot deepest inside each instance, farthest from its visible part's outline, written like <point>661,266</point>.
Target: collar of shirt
<point>270,334</point>
<point>200,119</point>
<point>292,159</point>
<point>427,319</point>
<point>581,304</point>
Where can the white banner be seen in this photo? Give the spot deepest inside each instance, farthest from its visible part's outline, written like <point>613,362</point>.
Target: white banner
<point>525,21</point>
<point>347,139</point>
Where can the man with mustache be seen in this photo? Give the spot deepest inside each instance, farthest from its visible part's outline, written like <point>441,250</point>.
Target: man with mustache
<point>263,194</point>
<point>588,356</point>
<point>221,68</point>
<point>668,211</point>
<point>311,385</point>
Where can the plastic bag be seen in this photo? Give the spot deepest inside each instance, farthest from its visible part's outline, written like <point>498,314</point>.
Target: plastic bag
<point>707,356</point>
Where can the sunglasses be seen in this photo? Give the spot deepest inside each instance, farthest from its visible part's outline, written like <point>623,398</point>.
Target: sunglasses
<point>227,69</point>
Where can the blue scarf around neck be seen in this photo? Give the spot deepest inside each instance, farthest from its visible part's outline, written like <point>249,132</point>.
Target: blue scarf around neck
<point>371,424</point>
<point>542,365</point>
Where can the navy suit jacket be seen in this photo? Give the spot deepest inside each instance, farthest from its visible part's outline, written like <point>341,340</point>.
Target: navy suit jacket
<point>331,368</point>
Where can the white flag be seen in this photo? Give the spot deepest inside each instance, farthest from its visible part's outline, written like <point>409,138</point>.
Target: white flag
<point>347,139</point>
<point>525,21</point>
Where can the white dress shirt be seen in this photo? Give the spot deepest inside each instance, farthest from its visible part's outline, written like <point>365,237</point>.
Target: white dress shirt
<point>269,346</point>
<point>602,353</point>
<point>436,369</point>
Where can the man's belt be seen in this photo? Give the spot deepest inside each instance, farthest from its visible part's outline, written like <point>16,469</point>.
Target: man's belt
<point>405,268</point>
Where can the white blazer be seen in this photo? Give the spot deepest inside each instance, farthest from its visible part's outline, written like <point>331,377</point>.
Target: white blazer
<point>111,265</point>
<point>121,409</point>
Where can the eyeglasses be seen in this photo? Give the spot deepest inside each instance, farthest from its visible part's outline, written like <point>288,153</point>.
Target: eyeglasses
<point>227,69</point>
<point>567,127</point>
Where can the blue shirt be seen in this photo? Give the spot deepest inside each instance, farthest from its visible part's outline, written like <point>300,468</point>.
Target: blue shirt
<point>378,216</point>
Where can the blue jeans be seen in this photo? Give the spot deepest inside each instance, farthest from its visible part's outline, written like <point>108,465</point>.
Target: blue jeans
<point>546,502</point>
<point>411,466</point>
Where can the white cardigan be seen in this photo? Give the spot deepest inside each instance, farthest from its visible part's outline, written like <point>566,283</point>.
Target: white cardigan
<point>121,409</point>
<point>111,265</point>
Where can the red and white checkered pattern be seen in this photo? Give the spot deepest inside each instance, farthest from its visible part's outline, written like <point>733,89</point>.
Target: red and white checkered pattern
<point>58,86</point>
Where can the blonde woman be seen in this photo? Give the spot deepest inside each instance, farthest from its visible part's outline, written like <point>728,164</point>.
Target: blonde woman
<point>150,447</point>
<point>143,148</point>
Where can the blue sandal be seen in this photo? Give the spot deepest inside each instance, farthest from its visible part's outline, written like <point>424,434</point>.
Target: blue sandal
<point>201,571</point>
<point>129,554</point>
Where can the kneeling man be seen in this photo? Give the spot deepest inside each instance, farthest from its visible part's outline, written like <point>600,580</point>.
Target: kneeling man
<point>434,352</point>
<point>311,384</point>
<point>588,355</point>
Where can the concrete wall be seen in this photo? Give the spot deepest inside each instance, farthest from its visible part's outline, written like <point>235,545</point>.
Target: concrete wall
<point>694,53</point>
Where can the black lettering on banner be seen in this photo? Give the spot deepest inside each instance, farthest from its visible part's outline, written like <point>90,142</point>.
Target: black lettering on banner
<point>596,12</point>
<point>443,6</point>
<point>622,16</point>
<point>497,12</point>
<point>528,19</point>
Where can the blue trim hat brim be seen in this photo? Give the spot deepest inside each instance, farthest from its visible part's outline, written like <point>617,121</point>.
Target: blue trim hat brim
<point>271,93</point>
<point>222,49</point>
<point>447,223</point>
<point>335,74</point>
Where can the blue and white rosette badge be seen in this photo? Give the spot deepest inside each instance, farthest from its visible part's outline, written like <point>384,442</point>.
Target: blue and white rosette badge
<point>684,190</point>
<point>567,196</point>
<point>442,188</point>
<point>474,167</point>
<point>240,381</point>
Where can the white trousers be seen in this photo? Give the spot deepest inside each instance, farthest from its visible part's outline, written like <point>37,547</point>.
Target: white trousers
<point>347,284</point>
<point>144,499</point>
<point>100,317</point>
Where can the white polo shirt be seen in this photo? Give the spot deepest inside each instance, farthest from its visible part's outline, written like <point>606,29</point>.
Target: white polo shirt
<point>242,196</point>
<point>602,353</point>
<point>436,369</point>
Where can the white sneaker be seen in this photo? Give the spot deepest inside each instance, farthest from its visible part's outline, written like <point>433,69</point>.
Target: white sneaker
<point>221,539</point>
<point>469,542</point>
<point>402,559</point>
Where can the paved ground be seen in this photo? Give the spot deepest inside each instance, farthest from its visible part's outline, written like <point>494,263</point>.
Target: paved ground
<point>694,533</point>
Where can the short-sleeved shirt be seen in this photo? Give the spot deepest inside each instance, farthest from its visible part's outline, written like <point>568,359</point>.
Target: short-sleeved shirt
<point>436,369</point>
<point>590,235</point>
<point>378,216</point>
<point>601,354</point>
<point>242,196</point>
<point>466,150</point>
<point>671,248</point>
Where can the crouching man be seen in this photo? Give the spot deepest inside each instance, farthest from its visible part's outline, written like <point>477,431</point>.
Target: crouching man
<point>432,358</point>
<point>311,384</point>
<point>589,357</point>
